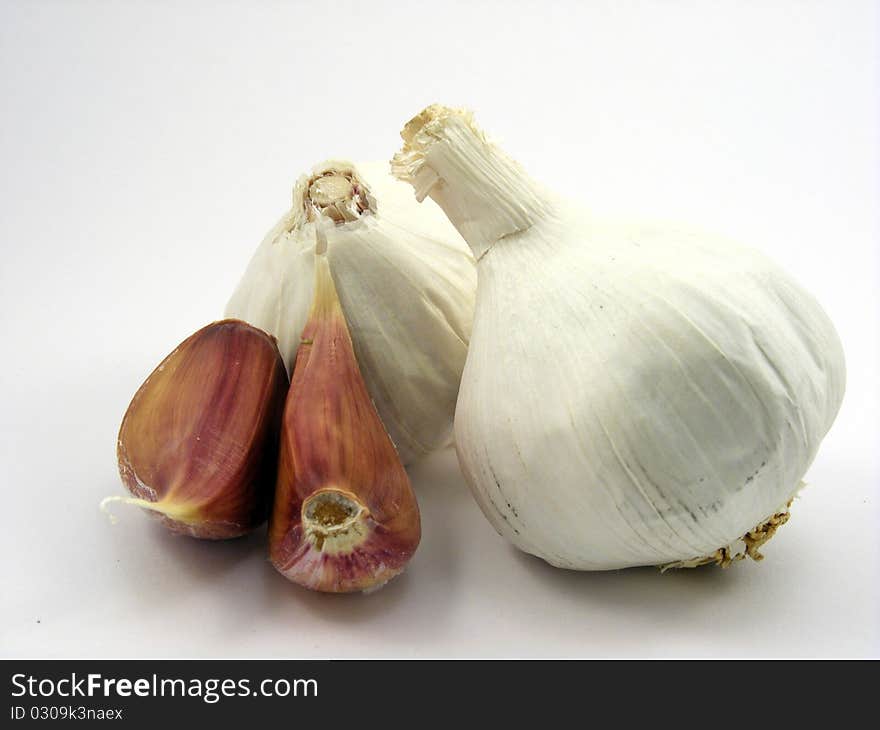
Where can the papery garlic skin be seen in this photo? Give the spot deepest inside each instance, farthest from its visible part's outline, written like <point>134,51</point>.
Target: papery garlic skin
<point>633,394</point>
<point>406,281</point>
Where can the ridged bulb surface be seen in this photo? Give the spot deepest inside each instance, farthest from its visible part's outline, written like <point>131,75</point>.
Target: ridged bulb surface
<point>684,413</point>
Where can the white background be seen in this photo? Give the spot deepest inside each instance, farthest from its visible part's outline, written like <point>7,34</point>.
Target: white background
<point>146,148</point>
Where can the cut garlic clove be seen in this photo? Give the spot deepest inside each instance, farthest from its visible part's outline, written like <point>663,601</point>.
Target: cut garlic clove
<point>345,517</point>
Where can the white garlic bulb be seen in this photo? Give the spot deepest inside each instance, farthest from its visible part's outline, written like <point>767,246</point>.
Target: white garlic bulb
<point>633,394</point>
<point>406,281</point>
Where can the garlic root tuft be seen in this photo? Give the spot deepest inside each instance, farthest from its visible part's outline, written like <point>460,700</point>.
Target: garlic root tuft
<point>728,555</point>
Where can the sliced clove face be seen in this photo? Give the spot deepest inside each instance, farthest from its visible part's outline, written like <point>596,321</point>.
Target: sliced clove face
<point>198,444</point>
<point>345,517</point>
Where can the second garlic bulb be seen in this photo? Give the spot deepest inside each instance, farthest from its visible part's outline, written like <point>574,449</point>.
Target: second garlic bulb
<point>406,281</point>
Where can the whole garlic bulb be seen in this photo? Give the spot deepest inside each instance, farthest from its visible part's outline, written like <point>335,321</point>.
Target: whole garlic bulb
<point>406,281</point>
<point>633,394</point>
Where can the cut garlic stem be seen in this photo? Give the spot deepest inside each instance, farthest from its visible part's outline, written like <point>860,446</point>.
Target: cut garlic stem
<point>336,195</point>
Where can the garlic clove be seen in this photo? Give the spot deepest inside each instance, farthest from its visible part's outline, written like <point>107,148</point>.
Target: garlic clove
<point>198,444</point>
<point>345,517</point>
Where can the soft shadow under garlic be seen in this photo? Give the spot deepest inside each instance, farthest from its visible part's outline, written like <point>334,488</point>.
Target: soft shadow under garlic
<point>164,557</point>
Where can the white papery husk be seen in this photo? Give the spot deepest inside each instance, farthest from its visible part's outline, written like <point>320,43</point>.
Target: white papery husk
<point>406,281</point>
<point>634,394</point>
